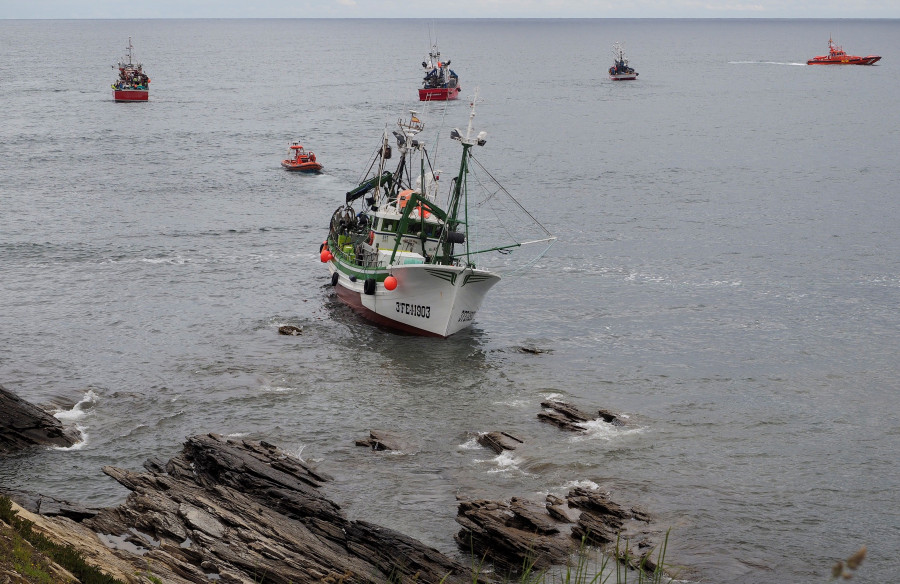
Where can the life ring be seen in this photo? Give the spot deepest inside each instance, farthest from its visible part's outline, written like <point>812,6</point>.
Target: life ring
<point>371,239</point>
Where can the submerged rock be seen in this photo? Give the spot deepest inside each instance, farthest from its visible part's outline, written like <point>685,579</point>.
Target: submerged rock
<point>23,425</point>
<point>290,330</point>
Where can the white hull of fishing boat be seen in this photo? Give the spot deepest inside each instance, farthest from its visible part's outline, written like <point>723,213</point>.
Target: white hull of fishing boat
<point>429,299</point>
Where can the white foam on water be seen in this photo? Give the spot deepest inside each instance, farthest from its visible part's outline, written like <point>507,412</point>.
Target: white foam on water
<point>581,483</point>
<point>471,444</point>
<point>513,403</point>
<point>82,432</point>
<point>77,412</point>
<point>276,389</point>
<point>504,462</point>
<point>601,430</point>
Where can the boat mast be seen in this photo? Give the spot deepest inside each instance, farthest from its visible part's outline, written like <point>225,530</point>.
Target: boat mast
<point>459,193</point>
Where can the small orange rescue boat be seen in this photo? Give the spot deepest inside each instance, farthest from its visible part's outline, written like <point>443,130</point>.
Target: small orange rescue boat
<point>301,160</point>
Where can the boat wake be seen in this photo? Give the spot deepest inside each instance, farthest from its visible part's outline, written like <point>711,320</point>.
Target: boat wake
<point>765,63</point>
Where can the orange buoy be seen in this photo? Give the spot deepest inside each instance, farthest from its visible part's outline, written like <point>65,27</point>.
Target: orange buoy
<point>390,283</point>
<point>326,256</point>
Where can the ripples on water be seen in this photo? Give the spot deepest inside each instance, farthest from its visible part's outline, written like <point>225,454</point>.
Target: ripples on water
<point>724,276</point>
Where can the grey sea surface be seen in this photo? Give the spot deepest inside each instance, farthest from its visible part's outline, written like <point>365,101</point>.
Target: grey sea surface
<point>727,273</point>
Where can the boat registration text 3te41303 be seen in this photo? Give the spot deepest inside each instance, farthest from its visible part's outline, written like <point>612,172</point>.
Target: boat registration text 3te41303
<point>414,309</point>
<point>466,315</point>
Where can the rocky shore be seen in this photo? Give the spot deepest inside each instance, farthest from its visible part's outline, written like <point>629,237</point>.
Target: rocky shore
<point>239,511</point>
<point>24,425</point>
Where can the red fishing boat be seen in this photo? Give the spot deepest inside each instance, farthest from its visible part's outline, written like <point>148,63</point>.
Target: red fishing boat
<point>440,83</point>
<point>132,84</point>
<point>837,56</point>
<point>301,160</point>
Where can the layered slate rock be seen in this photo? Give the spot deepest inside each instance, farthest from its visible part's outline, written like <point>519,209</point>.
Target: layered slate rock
<point>568,417</point>
<point>499,441</point>
<point>241,511</point>
<point>521,533</point>
<point>380,440</point>
<point>24,425</point>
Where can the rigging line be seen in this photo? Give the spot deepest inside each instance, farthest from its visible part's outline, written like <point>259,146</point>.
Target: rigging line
<point>493,209</point>
<point>524,210</point>
<point>518,272</point>
<point>374,159</point>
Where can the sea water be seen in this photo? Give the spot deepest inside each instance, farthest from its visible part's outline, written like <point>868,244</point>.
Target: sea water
<point>727,273</point>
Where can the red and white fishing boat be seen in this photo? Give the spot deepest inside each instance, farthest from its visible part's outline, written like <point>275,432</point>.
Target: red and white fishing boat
<point>837,56</point>
<point>403,256</point>
<point>440,82</point>
<point>301,160</point>
<point>132,84</point>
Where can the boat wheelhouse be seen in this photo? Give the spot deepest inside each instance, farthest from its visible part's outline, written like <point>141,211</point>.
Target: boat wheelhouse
<point>132,83</point>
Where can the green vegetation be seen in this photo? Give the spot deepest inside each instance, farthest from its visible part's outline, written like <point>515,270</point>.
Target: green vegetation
<point>591,566</point>
<point>33,561</point>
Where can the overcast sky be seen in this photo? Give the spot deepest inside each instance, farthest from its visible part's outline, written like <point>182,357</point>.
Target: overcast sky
<point>434,9</point>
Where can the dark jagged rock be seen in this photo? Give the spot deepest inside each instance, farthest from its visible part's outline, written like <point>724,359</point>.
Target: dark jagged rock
<point>290,330</point>
<point>23,425</point>
<point>499,441</point>
<point>248,512</point>
<point>601,519</point>
<point>50,507</point>
<point>568,417</point>
<point>611,418</point>
<point>379,440</point>
<point>512,534</point>
<point>509,534</point>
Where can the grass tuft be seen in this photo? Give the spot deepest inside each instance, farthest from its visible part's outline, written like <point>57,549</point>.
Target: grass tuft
<point>64,555</point>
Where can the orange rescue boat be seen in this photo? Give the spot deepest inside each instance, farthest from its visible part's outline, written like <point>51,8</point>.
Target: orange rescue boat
<point>838,56</point>
<point>301,160</point>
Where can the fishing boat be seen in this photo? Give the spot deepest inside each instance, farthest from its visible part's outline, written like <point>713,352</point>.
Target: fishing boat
<point>301,160</point>
<point>132,83</point>
<point>838,56</point>
<point>403,259</point>
<point>440,83</point>
<point>620,71</point>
